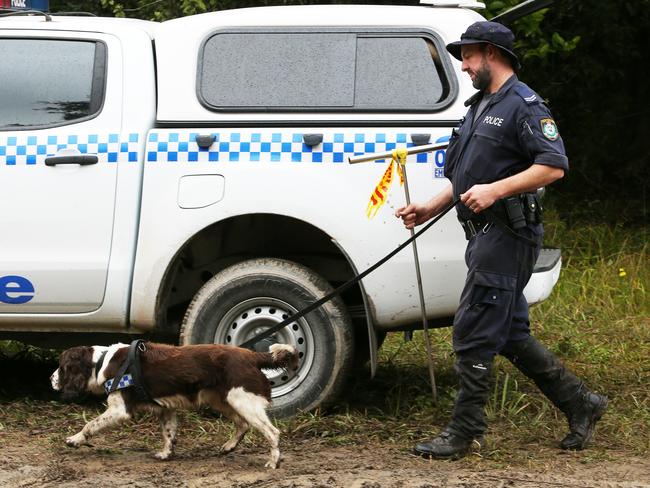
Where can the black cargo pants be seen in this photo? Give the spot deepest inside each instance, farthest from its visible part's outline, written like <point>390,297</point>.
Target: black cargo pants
<point>493,310</point>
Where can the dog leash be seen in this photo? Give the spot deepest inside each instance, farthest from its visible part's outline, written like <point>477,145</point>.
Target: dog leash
<point>310,308</point>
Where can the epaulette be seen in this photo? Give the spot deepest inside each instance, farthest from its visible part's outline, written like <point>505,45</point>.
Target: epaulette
<point>473,99</point>
<point>529,96</point>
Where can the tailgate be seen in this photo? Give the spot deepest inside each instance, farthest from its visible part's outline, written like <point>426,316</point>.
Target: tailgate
<point>545,275</point>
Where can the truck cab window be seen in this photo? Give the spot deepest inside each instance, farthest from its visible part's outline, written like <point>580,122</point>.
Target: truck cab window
<point>46,82</point>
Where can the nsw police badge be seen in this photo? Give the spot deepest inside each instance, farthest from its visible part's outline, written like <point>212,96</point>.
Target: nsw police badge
<point>549,129</point>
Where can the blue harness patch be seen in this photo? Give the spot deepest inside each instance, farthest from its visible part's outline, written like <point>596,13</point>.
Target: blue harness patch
<point>125,382</point>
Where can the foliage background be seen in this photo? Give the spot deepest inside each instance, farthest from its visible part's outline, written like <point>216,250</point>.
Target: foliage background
<point>585,58</point>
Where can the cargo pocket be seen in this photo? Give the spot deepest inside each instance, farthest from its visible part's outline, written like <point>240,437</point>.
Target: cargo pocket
<point>486,314</point>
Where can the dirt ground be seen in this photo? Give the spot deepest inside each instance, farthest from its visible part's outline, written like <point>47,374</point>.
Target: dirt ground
<point>33,458</point>
<point>319,451</point>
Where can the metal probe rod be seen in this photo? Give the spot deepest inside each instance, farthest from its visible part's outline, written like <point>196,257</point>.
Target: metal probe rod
<point>425,325</point>
<point>423,310</point>
<point>389,154</point>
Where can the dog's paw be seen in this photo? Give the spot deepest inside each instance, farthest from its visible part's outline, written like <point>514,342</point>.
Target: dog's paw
<point>163,455</point>
<point>271,464</point>
<point>76,440</point>
<point>227,447</point>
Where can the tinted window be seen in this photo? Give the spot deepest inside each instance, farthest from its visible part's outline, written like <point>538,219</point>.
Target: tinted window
<point>279,70</point>
<point>337,71</point>
<point>49,82</point>
<point>396,72</point>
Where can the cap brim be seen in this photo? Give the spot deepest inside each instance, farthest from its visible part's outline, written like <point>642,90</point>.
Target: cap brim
<point>454,49</point>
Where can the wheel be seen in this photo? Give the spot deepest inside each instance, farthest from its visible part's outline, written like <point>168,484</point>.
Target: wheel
<point>249,297</point>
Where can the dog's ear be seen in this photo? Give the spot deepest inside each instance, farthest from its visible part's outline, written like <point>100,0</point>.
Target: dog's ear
<point>75,369</point>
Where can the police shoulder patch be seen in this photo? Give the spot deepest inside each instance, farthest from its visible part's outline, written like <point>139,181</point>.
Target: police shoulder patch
<point>549,129</point>
<point>524,91</point>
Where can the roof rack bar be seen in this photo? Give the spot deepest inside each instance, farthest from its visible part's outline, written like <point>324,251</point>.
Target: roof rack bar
<point>74,14</point>
<point>473,4</point>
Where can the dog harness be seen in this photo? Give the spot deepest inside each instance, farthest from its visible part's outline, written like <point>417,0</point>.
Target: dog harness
<point>125,382</point>
<point>134,376</point>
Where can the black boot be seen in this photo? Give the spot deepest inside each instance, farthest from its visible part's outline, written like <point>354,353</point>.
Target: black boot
<point>468,423</point>
<point>582,416</point>
<point>565,390</point>
<point>447,445</point>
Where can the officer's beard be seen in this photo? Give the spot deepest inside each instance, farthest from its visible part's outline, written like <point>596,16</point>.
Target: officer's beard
<point>483,76</point>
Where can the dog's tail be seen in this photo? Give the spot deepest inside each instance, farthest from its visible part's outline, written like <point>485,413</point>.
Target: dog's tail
<point>279,356</point>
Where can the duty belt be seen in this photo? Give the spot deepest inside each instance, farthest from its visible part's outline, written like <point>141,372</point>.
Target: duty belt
<point>483,222</point>
<point>475,225</point>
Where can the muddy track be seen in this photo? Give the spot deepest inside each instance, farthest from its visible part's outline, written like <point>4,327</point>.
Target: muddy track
<point>34,424</point>
<point>29,457</point>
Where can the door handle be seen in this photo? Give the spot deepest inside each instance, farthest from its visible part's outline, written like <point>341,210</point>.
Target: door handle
<point>312,140</point>
<point>204,141</point>
<point>80,159</point>
<point>420,139</point>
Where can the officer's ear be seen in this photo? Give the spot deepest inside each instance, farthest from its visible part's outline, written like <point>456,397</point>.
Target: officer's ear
<point>494,54</point>
<point>491,52</point>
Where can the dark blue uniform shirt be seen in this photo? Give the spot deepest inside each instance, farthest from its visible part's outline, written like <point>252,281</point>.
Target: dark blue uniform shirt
<point>514,131</point>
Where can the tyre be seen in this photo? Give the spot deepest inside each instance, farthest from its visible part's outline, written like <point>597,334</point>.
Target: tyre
<point>249,297</point>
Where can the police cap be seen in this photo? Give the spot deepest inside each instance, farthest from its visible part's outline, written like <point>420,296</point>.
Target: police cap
<point>490,32</point>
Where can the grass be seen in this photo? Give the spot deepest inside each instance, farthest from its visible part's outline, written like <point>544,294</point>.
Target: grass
<point>597,320</point>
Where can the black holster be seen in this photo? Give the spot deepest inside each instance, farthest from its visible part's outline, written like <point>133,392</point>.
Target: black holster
<point>533,210</point>
<point>523,209</point>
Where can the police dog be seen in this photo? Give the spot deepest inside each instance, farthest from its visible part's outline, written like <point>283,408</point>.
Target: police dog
<point>226,378</point>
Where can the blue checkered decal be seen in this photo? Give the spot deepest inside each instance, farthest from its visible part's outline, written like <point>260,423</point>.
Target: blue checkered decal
<point>32,150</point>
<point>274,147</point>
<point>228,147</point>
<point>125,382</point>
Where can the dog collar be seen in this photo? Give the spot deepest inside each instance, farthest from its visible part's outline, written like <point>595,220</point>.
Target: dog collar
<point>125,382</point>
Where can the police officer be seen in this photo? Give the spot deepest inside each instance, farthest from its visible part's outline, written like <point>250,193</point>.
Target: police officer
<point>505,148</point>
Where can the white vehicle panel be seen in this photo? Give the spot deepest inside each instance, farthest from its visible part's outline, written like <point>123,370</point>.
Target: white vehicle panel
<point>541,284</point>
<point>75,234</point>
<point>177,72</point>
<point>59,235</point>
<point>271,171</point>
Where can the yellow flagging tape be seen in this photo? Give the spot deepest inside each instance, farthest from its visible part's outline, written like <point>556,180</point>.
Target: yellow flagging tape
<point>380,193</point>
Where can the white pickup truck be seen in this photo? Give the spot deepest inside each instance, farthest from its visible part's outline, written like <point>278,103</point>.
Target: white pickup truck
<point>188,180</point>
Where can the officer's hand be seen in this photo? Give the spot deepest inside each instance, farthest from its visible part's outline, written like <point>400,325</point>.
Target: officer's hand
<point>413,214</point>
<point>479,197</point>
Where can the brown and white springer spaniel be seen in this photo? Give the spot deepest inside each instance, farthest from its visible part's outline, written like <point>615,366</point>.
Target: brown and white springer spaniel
<point>226,378</point>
